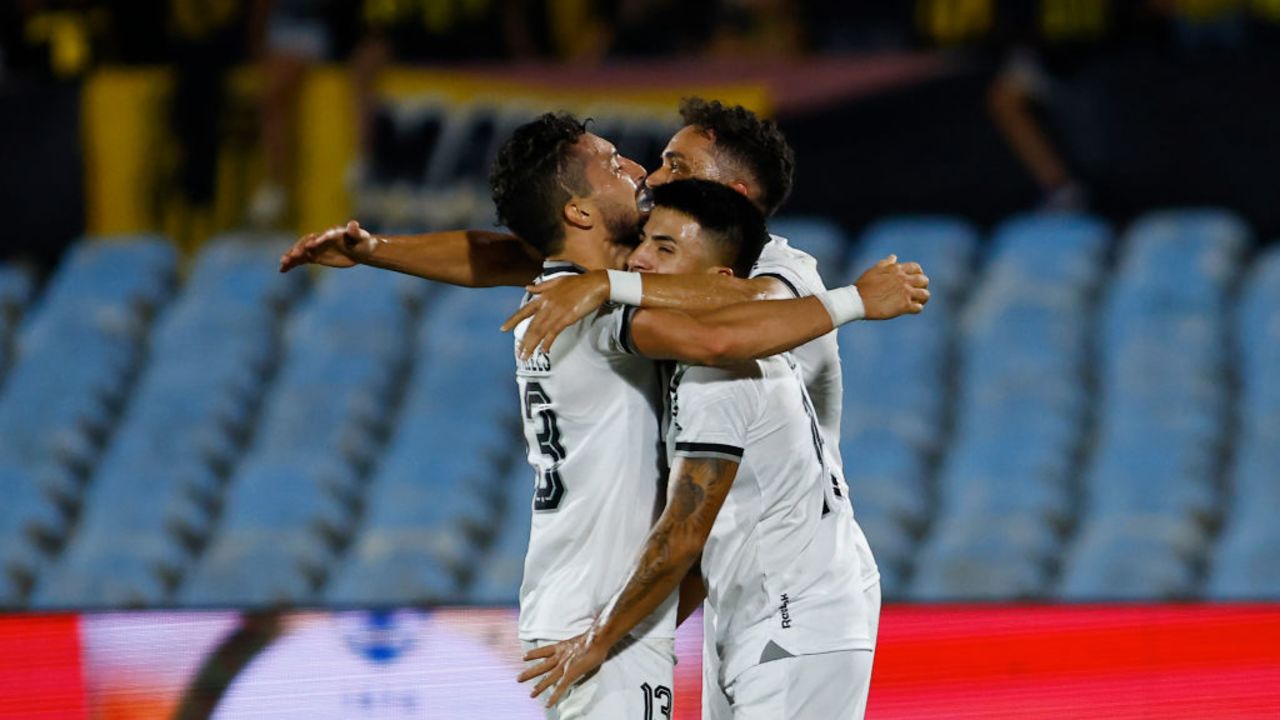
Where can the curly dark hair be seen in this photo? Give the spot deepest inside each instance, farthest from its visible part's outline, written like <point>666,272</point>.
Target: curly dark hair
<point>727,218</point>
<point>533,177</point>
<point>757,144</point>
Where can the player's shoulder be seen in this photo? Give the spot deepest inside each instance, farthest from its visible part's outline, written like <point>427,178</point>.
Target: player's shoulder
<point>795,268</point>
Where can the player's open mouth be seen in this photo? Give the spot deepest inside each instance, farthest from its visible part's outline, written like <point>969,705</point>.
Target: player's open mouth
<point>644,199</point>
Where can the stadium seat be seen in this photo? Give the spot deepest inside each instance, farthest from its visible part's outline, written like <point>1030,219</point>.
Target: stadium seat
<point>819,237</point>
<point>398,566</point>
<point>1244,564</point>
<point>1149,557</point>
<point>892,547</point>
<point>989,559</point>
<point>255,569</point>
<point>944,246</point>
<point>135,272</point>
<point>886,473</point>
<point>102,581</point>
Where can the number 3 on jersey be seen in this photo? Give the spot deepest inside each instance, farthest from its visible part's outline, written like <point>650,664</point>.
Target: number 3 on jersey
<point>539,416</point>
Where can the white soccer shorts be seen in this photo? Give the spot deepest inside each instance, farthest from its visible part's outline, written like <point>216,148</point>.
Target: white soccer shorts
<point>824,686</point>
<point>635,683</point>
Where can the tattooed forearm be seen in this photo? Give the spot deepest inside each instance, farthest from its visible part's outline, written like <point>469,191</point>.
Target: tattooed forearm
<point>698,491</point>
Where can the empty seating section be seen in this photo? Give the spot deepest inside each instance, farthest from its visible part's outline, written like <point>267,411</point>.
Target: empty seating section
<point>76,355</point>
<point>151,501</point>
<point>1244,564</point>
<point>1005,490</point>
<point>1152,489</point>
<point>896,388</point>
<point>293,502</point>
<point>1078,414</point>
<point>435,500</point>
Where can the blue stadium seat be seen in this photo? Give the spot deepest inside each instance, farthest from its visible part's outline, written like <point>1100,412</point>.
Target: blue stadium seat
<point>1134,557</point>
<point>993,558</point>
<point>891,545</point>
<point>885,472</point>
<point>396,568</point>
<point>499,574</point>
<point>291,494</point>
<point>1055,249</point>
<point>255,569</point>
<point>944,246</point>
<point>136,272</point>
<point>1244,564</point>
<point>30,517</point>
<point>819,237</point>
<point>102,580</point>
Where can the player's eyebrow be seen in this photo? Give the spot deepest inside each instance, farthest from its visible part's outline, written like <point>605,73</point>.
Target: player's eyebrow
<point>673,154</point>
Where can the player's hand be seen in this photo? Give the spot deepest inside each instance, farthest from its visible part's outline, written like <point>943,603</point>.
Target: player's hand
<point>556,305</point>
<point>889,289</point>
<point>340,247</point>
<point>563,664</point>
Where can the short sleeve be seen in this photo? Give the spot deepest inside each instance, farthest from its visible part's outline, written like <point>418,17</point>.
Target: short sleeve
<point>714,410</point>
<point>793,268</point>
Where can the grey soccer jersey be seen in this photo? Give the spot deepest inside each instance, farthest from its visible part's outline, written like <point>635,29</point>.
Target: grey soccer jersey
<point>819,360</point>
<point>591,412</point>
<point>785,564</point>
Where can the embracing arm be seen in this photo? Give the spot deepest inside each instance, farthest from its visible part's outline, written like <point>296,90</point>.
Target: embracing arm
<point>730,335</point>
<point>699,488</point>
<point>887,289</point>
<point>470,258</point>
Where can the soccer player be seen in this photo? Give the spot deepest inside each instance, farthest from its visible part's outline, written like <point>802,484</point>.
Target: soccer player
<point>733,146</point>
<point>591,406</point>
<point>754,494</point>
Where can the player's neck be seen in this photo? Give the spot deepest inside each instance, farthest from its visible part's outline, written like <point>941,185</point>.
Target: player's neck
<point>591,249</point>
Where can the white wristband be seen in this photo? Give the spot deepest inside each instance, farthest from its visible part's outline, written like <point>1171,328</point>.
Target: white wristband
<point>844,305</point>
<point>625,288</point>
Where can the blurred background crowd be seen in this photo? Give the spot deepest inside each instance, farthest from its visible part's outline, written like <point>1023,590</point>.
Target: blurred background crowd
<point>975,106</point>
<point>1089,410</point>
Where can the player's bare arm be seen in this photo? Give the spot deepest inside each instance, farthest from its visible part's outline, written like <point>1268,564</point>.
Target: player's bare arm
<point>888,289</point>
<point>470,258</point>
<point>734,334</point>
<point>559,303</point>
<point>697,493</point>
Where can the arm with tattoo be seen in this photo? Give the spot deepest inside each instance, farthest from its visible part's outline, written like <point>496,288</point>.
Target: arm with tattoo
<point>698,491</point>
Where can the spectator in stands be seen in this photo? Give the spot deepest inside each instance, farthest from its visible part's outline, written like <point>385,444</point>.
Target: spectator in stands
<point>207,39</point>
<point>1048,44</point>
<point>297,35</point>
<point>422,30</point>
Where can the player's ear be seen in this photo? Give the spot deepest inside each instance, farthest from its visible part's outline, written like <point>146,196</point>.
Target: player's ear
<point>742,187</point>
<point>579,214</point>
<point>722,270</point>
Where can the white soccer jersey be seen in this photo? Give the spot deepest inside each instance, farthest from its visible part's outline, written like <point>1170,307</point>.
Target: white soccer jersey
<point>591,412</point>
<point>785,564</point>
<point>819,359</point>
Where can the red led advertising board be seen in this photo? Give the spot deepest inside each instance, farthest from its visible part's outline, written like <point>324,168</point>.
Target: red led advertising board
<point>991,661</point>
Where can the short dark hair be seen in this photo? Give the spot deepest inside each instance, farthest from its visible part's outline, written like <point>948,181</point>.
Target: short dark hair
<point>726,216</point>
<point>757,144</point>
<point>533,176</point>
